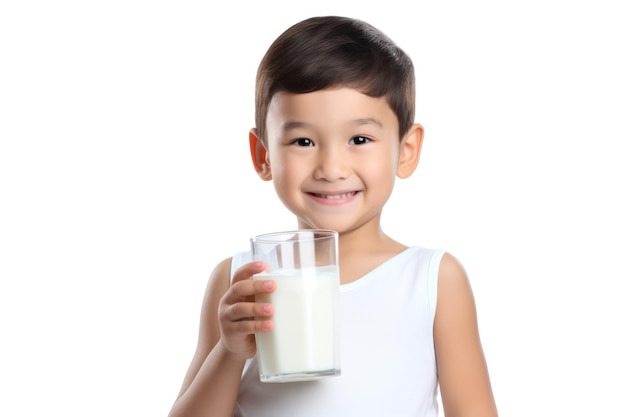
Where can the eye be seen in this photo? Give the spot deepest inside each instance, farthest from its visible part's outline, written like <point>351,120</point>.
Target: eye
<point>359,140</point>
<point>302,142</point>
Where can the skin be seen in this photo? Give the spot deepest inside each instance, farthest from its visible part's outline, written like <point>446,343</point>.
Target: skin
<point>333,156</point>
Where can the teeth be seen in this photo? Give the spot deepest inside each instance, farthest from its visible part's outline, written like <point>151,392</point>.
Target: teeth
<point>336,196</point>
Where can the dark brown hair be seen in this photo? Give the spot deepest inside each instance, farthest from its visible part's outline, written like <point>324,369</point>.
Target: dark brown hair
<point>333,51</point>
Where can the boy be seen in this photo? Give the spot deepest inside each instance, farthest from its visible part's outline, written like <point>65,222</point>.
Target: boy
<point>334,127</point>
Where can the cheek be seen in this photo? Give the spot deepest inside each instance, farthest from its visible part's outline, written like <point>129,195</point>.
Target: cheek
<point>284,174</point>
<point>381,168</point>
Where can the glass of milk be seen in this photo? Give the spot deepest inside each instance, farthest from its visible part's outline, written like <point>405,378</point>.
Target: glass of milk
<point>304,344</point>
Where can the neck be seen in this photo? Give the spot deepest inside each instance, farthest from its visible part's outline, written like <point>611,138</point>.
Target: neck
<point>363,249</point>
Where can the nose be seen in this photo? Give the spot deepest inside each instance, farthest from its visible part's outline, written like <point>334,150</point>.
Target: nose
<point>333,164</point>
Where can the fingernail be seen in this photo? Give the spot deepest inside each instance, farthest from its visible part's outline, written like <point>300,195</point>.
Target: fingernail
<point>268,284</point>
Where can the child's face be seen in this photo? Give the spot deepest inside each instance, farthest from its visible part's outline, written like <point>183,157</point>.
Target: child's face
<point>333,156</point>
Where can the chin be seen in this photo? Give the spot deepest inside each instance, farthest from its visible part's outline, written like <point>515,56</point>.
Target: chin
<point>339,222</point>
<point>337,227</point>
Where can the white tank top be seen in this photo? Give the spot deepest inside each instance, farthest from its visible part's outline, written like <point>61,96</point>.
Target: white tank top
<point>388,365</point>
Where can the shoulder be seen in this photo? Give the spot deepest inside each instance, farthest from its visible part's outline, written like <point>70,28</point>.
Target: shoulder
<point>222,267</point>
<point>456,310</point>
<point>463,376</point>
<point>222,273</point>
<point>219,281</point>
<point>217,285</point>
<point>450,266</point>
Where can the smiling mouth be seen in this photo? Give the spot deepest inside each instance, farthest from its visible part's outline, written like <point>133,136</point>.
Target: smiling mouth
<point>335,196</point>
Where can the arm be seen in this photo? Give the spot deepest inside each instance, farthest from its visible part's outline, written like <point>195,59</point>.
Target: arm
<point>229,319</point>
<point>463,376</point>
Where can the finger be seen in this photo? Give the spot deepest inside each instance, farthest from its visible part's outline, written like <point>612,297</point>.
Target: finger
<point>246,289</point>
<point>248,270</point>
<point>248,326</point>
<point>247,311</point>
<point>247,318</point>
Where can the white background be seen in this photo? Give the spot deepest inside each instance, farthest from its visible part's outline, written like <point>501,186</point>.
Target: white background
<point>125,176</point>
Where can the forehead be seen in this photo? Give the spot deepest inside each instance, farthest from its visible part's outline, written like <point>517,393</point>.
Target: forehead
<point>329,108</point>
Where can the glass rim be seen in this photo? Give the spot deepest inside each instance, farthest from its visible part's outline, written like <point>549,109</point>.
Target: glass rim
<point>274,237</point>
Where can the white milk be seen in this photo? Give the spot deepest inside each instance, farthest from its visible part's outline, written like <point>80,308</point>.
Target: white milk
<point>305,339</point>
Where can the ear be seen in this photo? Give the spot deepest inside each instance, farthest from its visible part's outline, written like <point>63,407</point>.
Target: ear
<point>260,157</point>
<point>410,149</point>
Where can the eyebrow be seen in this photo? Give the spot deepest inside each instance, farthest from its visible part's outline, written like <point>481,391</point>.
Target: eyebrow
<point>367,121</point>
<point>356,122</point>
<point>287,126</point>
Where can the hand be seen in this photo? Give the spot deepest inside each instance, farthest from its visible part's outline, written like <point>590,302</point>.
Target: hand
<point>240,316</point>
